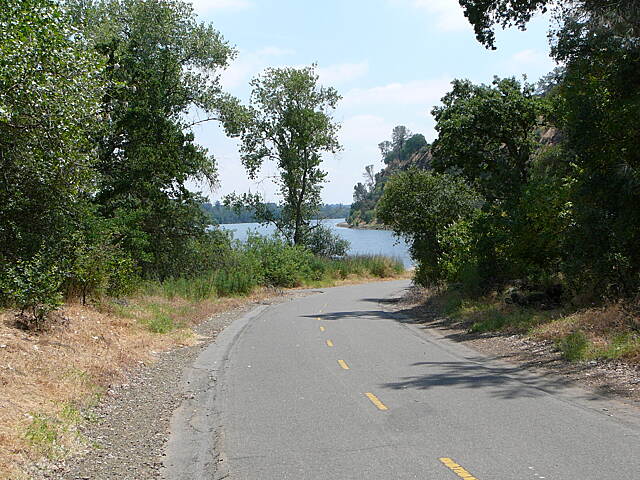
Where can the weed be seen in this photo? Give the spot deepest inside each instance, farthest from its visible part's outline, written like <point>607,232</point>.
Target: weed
<point>160,322</point>
<point>621,345</point>
<point>492,321</point>
<point>43,434</point>
<point>574,346</point>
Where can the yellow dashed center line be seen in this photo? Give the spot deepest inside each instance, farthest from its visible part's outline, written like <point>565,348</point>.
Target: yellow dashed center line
<point>376,401</point>
<point>343,364</point>
<point>322,329</point>
<point>457,469</point>
<point>329,343</point>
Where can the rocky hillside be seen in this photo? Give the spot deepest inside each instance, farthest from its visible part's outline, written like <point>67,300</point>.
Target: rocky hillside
<point>404,151</point>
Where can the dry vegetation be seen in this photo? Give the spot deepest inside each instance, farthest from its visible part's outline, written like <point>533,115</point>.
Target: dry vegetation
<point>607,332</point>
<point>48,378</point>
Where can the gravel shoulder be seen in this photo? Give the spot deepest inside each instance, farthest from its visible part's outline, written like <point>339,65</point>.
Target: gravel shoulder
<point>126,433</point>
<point>608,379</point>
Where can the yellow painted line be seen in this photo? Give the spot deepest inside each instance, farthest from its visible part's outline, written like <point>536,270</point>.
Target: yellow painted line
<point>457,469</point>
<point>322,329</point>
<point>376,401</point>
<point>329,343</point>
<point>343,364</point>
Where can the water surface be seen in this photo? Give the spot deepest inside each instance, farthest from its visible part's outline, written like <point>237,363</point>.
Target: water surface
<point>363,242</point>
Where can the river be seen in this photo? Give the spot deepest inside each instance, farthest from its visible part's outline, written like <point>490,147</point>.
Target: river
<point>363,242</point>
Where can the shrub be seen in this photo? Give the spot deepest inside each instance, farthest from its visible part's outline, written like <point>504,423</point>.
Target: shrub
<point>421,206</point>
<point>324,242</point>
<point>33,287</point>
<point>281,264</point>
<point>574,346</point>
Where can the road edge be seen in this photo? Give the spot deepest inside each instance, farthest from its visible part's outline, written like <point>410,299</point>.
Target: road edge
<point>571,392</point>
<point>194,448</point>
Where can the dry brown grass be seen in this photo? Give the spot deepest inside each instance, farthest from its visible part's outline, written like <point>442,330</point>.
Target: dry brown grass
<point>613,331</point>
<point>46,377</point>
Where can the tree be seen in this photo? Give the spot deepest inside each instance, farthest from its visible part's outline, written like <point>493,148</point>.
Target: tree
<point>290,124</point>
<point>622,16</point>
<point>161,64</point>
<point>487,133</point>
<point>597,105</point>
<point>50,88</point>
<point>369,177</point>
<point>421,206</point>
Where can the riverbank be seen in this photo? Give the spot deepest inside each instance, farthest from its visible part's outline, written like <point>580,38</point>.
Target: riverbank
<point>363,226</point>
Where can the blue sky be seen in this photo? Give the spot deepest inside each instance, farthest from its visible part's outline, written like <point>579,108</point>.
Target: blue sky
<point>391,60</point>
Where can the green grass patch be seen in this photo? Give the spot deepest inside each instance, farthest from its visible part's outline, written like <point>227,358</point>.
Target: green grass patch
<point>162,318</point>
<point>483,314</point>
<point>574,347</point>
<point>51,435</point>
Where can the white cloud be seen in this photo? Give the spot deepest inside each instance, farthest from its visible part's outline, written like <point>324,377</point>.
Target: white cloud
<point>364,130</point>
<point>208,5</point>
<point>421,92</point>
<point>248,64</point>
<point>342,72</point>
<point>448,15</point>
<point>529,56</point>
<point>271,51</point>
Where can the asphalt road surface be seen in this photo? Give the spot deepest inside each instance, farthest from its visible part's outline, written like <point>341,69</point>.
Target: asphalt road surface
<point>331,386</point>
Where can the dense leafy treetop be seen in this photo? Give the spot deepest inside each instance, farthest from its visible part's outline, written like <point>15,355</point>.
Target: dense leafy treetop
<point>486,132</point>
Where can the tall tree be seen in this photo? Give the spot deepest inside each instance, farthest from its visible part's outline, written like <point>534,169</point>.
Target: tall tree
<point>290,124</point>
<point>161,64</point>
<point>49,96</point>
<point>487,133</point>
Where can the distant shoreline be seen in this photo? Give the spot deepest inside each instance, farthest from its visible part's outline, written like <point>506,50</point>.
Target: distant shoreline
<point>363,227</point>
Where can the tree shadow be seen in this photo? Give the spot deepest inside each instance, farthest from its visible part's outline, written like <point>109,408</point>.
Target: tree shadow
<point>360,314</point>
<point>501,382</point>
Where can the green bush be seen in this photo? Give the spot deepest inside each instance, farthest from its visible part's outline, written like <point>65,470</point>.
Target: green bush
<point>423,207</point>
<point>281,264</point>
<point>33,287</point>
<point>324,242</point>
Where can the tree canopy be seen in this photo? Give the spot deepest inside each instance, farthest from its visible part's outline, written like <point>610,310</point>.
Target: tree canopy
<point>290,124</point>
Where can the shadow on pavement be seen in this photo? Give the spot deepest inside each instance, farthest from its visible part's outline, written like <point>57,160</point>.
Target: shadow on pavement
<point>467,375</point>
<point>368,314</point>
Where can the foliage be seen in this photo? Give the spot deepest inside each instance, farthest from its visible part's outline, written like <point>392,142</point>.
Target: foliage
<point>324,242</point>
<point>280,264</point>
<point>486,133</point>
<point>405,150</point>
<point>49,94</point>
<point>33,286</point>
<point>421,206</point>
<point>98,266</point>
<point>289,123</point>
<point>597,109</point>
<point>160,65</point>
<point>621,16</point>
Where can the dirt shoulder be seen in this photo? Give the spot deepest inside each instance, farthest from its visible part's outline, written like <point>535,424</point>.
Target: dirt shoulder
<point>611,379</point>
<point>126,432</point>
